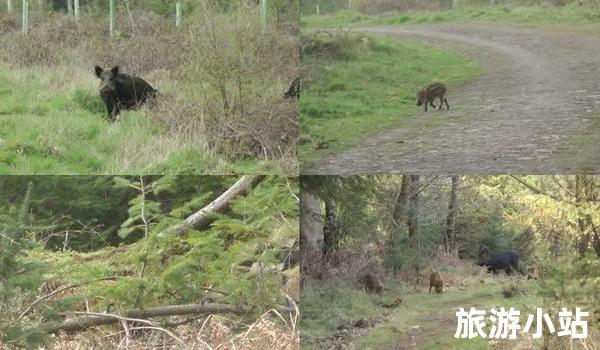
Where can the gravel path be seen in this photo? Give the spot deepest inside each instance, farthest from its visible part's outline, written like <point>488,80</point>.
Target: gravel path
<point>538,93</point>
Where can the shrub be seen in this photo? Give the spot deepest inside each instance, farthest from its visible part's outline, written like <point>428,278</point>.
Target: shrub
<point>340,45</point>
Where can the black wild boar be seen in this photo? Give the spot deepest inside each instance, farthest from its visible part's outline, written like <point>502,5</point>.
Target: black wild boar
<point>122,91</point>
<point>506,260</point>
<point>429,93</point>
<point>436,282</point>
<point>294,90</point>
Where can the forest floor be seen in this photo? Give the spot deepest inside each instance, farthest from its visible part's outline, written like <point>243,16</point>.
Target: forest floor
<point>428,321</point>
<point>535,108</point>
<point>422,320</point>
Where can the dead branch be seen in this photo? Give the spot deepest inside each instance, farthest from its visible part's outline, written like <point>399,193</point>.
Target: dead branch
<point>95,319</point>
<point>536,190</point>
<point>205,216</point>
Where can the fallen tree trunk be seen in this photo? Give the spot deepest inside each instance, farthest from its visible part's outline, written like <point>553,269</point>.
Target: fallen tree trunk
<point>205,216</point>
<point>86,321</point>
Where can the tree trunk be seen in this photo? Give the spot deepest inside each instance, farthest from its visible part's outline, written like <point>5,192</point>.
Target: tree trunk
<point>413,224</point>
<point>311,230</point>
<point>450,238</point>
<point>591,227</point>
<point>401,202</point>
<point>83,322</point>
<point>584,227</point>
<point>398,217</point>
<point>205,216</point>
<point>413,208</point>
<point>331,230</point>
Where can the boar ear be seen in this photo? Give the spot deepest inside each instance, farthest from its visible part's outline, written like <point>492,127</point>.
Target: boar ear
<point>115,70</point>
<point>99,71</point>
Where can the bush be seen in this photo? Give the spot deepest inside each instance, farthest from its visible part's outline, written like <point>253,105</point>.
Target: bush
<point>8,23</point>
<point>340,45</point>
<point>238,73</point>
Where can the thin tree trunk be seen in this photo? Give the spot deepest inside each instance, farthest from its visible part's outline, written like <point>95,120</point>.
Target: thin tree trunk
<point>401,202</point>
<point>332,228</point>
<point>451,218</point>
<point>590,197</point>
<point>311,230</point>
<point>412,219</point>
<point>398,216</point>
<point>413,224</point>
<point>584,229</point>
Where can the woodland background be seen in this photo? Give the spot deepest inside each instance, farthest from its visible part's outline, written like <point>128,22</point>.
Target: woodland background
<point>401,228</point>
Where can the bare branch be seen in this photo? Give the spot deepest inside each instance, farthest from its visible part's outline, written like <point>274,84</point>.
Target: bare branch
<point>92,319</point>
<point>205,216</point>
<point>536,189</point>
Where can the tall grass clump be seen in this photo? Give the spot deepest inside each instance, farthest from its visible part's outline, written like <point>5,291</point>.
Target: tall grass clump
<point>338,45</point>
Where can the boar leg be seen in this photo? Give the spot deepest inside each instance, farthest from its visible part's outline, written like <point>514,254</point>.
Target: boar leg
<point>116,112</point>
<point>113,110</point>
<point>109,108</point>
<point>447,105</point>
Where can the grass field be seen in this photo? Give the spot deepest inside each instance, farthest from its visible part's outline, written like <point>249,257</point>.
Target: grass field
<point>53,122</point>
<point>346,100</point>
<point>430,318</point>
<point>535,15</point>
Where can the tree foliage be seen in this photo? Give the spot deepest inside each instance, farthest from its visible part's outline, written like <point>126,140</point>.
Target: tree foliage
<point>237,260</point>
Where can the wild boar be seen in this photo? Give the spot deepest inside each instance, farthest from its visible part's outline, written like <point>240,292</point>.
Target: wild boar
<point>429,93</point>
<point>496,261</point>
<point>122,91</point>
<point>372,284</point>
<point>436,282</point>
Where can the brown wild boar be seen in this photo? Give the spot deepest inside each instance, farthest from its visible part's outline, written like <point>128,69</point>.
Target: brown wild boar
<point>429,93</point>
<point>532,273</point>
<point>372,284</point>
<point>436,282</point>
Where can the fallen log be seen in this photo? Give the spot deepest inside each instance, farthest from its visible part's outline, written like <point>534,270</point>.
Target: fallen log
<point>87,321</point>
<point>205,216</point>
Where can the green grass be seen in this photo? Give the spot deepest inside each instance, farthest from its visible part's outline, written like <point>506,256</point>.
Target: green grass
<point>326,304</point>
<point>527,15</point>
<point>430,316</point>
<point>53,122</point>
<point>373,91</point>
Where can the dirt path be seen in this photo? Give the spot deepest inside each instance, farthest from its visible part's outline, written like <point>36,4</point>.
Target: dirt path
<point>435,324</point>
<point>538,94</point>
